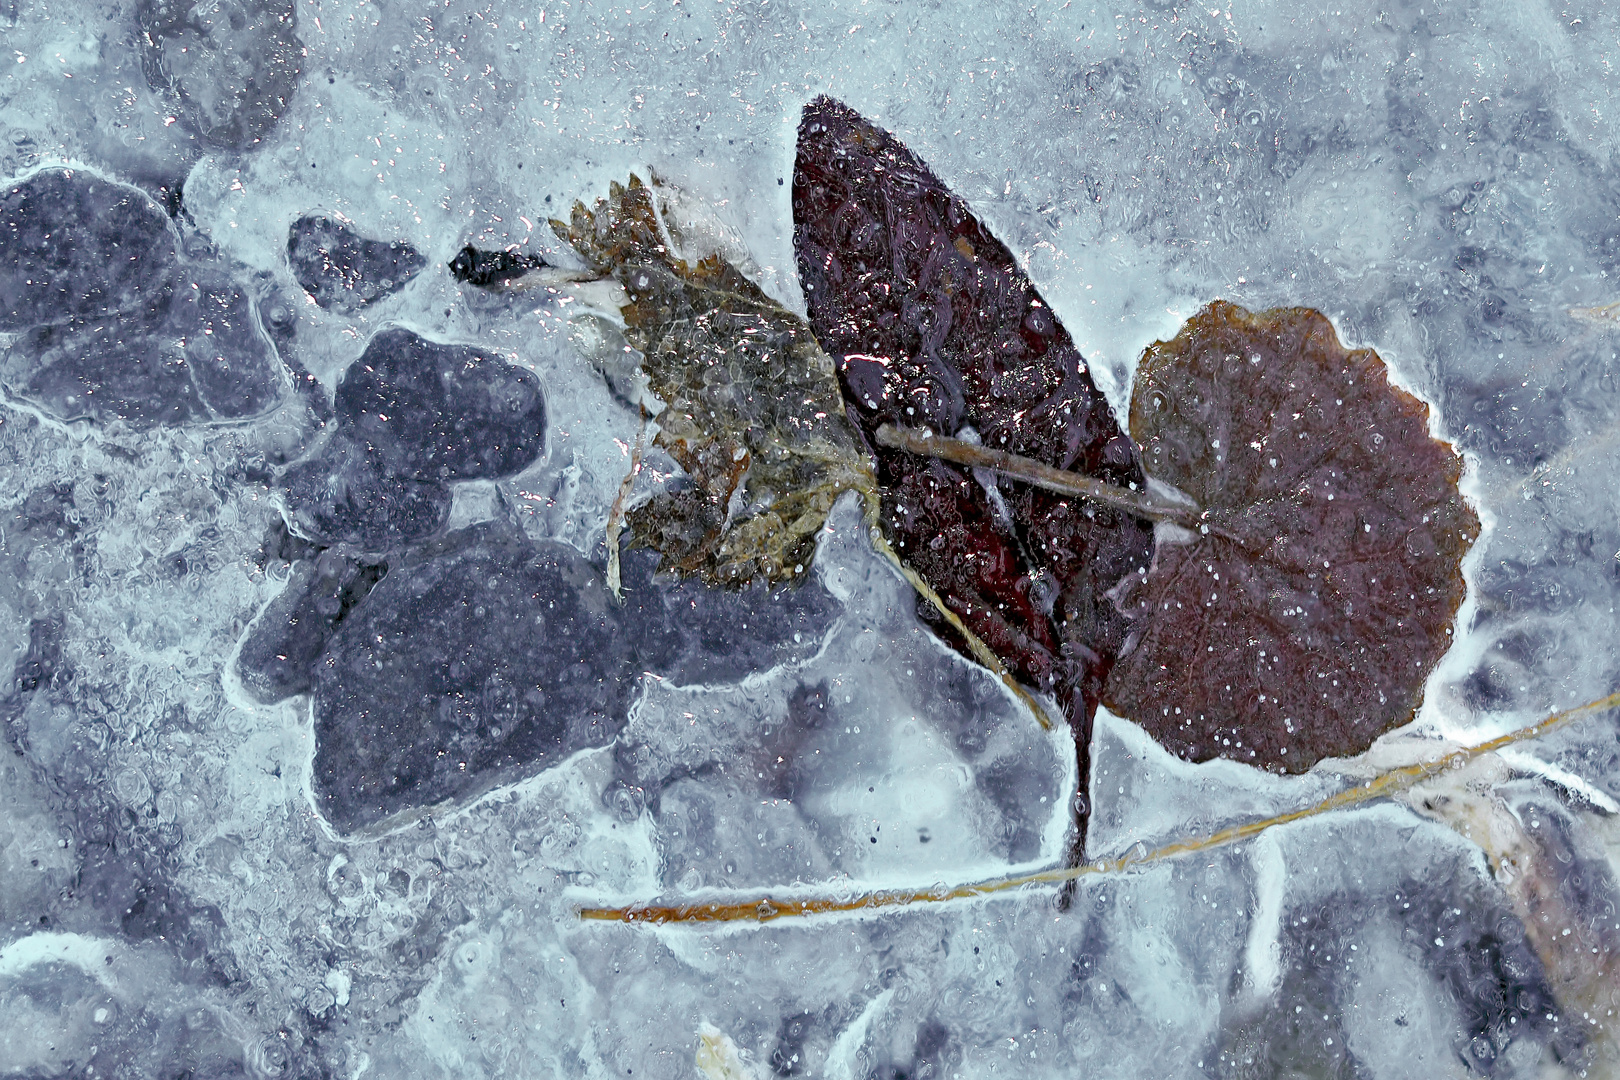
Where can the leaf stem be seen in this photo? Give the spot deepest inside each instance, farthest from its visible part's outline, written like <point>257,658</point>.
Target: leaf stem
<point>615,521</point>
<point>1030,471</point>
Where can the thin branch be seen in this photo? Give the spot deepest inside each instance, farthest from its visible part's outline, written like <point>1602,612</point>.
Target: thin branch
<point>1030,471</point>
<point>615,521</point>
<point>768,909</point>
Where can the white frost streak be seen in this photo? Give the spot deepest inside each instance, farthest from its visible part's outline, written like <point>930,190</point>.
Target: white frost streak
<point>88,954</point>
<point>1262,957</point>
<point>841,1059</point>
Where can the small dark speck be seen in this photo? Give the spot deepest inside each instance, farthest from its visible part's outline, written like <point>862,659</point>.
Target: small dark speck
<point>778,181</point>
<point>871,789</point>
<point>872,838</point>
<point>329,79</point>
<point>548,198</point>
<point>520,164</point>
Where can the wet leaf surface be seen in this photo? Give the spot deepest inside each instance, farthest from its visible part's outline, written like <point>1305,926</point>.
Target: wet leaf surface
<point>932,324</point>
<point>751,404</point>
<point>1304,623</point>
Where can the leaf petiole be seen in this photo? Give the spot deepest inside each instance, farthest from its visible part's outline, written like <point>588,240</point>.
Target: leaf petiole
<point>1137,503</point>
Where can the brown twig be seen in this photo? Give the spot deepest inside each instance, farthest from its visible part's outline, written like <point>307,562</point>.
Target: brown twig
<point>768,909</point>
<point>615,521</point>
<point>1137,503</point>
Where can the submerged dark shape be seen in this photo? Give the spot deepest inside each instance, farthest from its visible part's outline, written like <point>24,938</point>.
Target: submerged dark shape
<point>1305,622</point>
<point>229,68</point>
<point>490,269</point>
<point>74,247</point>
<point>433,411</point>
<point>343,270</point>
<point>460,666</point>
<point>278,656</point>
<point>343,495</point>
<point>932,324</point>
<point>113,323</point>
<point>205,360</point>
<point>412,415</point>
<point>482,656</point>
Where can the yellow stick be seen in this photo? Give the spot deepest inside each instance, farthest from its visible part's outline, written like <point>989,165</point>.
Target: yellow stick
<point>768,909</point>
<point>615,521</point>
<point>981,652</point>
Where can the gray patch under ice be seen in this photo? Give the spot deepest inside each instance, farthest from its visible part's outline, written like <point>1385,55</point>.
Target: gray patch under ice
<point>343,270</point>
<point>413,415</point>
<point>229,67</point>
<point>111,324</point>
<point>461,667</point>
<point>74,246</point>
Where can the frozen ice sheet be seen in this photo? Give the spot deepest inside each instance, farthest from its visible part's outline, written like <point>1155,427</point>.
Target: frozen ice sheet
<point>1438,179</point>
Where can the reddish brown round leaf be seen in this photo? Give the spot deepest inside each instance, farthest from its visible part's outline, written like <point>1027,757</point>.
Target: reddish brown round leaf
<point>1304,623</point>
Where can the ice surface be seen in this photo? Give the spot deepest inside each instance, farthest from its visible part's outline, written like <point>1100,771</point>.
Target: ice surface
<point>195,515</point>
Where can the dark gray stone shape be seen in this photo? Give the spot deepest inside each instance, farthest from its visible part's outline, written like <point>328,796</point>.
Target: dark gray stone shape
<point>230,68</point>
<point>278,657</point>
<point>75,247</point>
<point>412,414</point>
<point>690,633</point>
<point>130,890</point>
<point>345,495</point>
<point>232,363</point>
<point>343,270</point>
<point>204,360</point>
<point>441,412</point>
<point>462,668</point>
<point>42,664</point>
<point>103,370</point>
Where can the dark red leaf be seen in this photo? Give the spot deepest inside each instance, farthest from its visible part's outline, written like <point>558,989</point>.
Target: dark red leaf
<point>1304,623</point>
<point>931,324</point>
